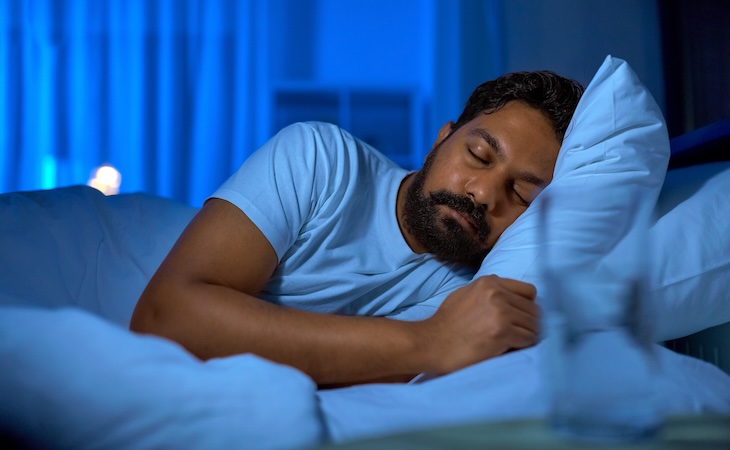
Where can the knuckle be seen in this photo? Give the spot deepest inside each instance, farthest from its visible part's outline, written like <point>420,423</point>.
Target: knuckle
<point>487,279</point>
<point>499,328</point>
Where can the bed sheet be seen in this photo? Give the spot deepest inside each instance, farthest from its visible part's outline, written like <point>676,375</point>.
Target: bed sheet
<point>70,379</point>
<point>74,246</point>
<point>505,388</point>
<point>73,380</point>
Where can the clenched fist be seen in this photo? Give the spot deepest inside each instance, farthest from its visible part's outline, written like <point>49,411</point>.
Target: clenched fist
<point>484,319</point>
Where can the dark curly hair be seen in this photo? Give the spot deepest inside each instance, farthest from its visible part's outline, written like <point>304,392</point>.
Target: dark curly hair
<point>554,95</point>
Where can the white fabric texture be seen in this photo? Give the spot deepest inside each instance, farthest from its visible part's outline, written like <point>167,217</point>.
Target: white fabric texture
<point>73,380</point>
<point>326,202</point>
<point>504,388</point>
<point>691,251</point>
<point>74,246</point>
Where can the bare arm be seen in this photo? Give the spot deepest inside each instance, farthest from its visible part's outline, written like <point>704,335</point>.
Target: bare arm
<point>204,297</point>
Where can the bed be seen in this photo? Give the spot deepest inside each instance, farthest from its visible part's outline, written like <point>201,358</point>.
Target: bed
<point>74,263</point>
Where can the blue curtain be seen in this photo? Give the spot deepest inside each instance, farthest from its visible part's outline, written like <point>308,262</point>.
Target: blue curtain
<point>162,90</point>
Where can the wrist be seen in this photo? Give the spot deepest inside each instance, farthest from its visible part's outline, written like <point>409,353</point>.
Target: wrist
<point>425,356</point>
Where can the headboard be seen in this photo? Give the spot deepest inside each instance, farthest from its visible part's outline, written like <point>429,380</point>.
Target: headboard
<point>710,143</point>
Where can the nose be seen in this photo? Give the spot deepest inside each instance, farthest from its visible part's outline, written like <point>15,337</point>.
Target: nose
<point>487,191</point>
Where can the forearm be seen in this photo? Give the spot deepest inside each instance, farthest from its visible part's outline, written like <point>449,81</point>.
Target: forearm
<point>211,321</point>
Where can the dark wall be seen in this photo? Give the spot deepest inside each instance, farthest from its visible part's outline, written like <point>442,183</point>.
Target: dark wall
<point>696,51</point>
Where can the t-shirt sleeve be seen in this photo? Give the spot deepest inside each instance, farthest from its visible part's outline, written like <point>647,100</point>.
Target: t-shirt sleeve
<point>276,187</point>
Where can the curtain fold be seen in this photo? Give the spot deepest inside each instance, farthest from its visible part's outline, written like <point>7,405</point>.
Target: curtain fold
<point>159,89</point>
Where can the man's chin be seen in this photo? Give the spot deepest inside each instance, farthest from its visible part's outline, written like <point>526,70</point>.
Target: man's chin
<point>462,255</point>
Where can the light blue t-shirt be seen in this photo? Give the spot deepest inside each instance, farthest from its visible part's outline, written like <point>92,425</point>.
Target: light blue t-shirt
<point>327,204</point>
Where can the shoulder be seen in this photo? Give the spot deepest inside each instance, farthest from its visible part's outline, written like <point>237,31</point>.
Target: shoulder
<point>326,146</point>
<point>310,143</point>
<point>326,136</point>
<point>319,134</point>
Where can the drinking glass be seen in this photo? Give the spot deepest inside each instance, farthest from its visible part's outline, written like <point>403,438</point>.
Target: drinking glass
<point>599,357</point>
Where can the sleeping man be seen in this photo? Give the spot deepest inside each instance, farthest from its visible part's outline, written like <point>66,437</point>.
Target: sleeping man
<point>322,254</point>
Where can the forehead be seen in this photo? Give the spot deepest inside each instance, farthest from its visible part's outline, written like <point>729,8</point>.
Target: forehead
<point>518,133</point>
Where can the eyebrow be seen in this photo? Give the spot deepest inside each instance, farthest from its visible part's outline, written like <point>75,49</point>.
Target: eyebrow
<point>487,137</point>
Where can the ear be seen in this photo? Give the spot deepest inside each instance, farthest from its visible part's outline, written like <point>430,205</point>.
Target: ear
<point>443,133</point>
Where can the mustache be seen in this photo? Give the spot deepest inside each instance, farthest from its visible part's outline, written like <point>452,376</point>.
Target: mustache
<point>464,205</point>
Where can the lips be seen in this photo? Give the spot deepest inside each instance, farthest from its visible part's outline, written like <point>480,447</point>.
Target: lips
<point>465,220</point>
<point>470,220</point>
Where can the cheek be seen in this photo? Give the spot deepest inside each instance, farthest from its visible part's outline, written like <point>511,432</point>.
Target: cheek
<point>445,174</point>
<point>502,223</point>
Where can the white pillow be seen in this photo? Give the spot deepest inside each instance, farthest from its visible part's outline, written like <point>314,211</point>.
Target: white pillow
<point>72,380</point>
<point>691,249</point>
<point>615,151</point>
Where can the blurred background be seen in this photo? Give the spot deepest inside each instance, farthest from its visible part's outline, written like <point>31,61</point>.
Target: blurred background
<point>172,95</point>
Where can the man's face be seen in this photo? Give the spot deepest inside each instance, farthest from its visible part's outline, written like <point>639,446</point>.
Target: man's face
<point>477,181</point>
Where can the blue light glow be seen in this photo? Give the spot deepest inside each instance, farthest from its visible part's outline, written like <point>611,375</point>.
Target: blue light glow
<point>177,93</point>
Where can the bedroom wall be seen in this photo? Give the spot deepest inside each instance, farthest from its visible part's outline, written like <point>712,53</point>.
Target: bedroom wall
<point>178,93</point>
<point>571,37</point>
<point>696,51</point>
<point>435,52</point>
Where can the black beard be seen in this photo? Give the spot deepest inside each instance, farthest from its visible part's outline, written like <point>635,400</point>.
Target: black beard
<point>446,239</point>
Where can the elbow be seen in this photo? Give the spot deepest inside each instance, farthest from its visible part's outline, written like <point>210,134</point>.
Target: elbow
<point>156,315</point>
<point>146,317</point>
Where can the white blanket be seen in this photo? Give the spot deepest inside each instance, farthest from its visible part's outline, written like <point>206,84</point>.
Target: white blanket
<point>504,388</point>
<point>73,380</point>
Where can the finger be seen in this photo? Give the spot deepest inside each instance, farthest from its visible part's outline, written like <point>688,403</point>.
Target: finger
<point>525,305</point>
<point>521,288</point>
<point>526,320</point>
<point>522,338</point>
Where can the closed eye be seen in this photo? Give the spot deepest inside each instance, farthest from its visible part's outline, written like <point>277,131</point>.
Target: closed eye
<point>520,198</point>
<point>477,157</point>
